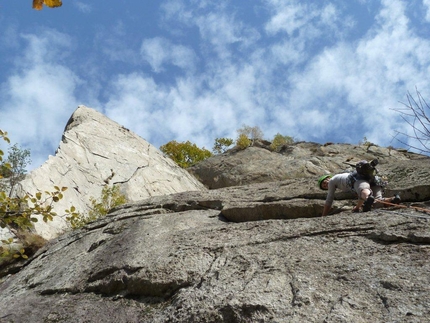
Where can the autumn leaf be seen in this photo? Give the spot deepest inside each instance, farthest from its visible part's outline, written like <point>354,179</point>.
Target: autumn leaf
<point>53,3</point>
<point>38,4</point>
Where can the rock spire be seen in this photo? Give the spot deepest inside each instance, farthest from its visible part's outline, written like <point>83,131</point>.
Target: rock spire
<point>96,151</point>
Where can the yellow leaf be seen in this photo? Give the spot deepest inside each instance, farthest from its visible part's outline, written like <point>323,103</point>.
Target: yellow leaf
<point>53,3</point>
<point>38,4</point>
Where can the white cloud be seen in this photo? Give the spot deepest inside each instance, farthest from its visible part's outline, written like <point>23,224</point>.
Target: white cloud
<point>38,98</point>
<point>175,8</point>
<point>9,37</point>
<point>112,42</point>
<point>218,27</point>
<point>196,108</point>
<point>347,91</point>
<point>307,21</point>
<point>371,75</point>
<point>47,46</point>
<point>83,6</point>
<point>222,30</point>
<point>427,6</point>
<point>290,52</point>
<point>160,51</point>
<point>288,17</point>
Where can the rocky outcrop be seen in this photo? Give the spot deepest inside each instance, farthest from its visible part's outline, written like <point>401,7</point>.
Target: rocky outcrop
<point>256,253</point>
<point>299,160</point>
<point>96,151</point>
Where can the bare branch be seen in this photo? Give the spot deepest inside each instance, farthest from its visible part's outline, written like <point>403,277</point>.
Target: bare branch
<point>416,113</point>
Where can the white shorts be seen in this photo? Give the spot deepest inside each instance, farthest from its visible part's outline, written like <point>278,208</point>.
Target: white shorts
<point>375,190</point>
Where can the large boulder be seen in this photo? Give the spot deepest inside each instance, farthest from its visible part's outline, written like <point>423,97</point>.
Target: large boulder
<point>96,151</point>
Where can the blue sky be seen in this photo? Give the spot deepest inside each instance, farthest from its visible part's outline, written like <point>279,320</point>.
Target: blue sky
<point>317,70</point>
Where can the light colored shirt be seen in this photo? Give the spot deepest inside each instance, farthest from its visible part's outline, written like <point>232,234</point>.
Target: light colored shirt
<point>339,181</point>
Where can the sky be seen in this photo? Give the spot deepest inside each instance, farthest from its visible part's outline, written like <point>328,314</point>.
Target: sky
<point>317,70</point>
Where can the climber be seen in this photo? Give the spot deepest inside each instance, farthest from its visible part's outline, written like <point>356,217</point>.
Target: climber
<point>363,181</point>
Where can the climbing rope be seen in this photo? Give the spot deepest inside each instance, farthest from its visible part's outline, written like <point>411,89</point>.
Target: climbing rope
<point>404,206</point>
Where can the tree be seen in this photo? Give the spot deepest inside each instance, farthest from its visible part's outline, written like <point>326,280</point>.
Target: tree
<point>186,153</point>
<point>280,140</point>
<point>417,115</point>
<point>243,141</point>
<point>110,198</point>
<point>221,145</point>
<point>17,161</point>
<point>253,133</point>
<point>4,166</point>
<point>247,135</point>
<point>38,4</point>
<point>17,214</point>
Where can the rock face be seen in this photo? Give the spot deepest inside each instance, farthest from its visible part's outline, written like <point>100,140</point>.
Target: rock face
<point>299,160</point>
<point>253,253</point>
<point>147,263</point>
<point>96,151</point>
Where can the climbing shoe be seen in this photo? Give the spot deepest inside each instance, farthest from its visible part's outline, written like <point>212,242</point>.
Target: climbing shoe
<point>367,206</point>
<point>396,199</point>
